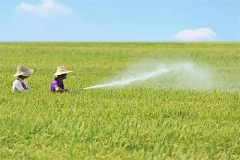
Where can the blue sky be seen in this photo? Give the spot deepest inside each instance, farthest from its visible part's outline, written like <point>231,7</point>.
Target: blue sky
<point>120,20</point>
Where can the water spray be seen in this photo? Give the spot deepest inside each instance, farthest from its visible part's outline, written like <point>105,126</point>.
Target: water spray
<point>158,71</point>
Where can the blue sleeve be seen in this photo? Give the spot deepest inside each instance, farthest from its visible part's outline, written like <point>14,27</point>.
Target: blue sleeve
<point>54,85</point>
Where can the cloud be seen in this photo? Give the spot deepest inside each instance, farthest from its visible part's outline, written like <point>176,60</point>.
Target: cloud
<point>200,34</point>
<point>46,9</point>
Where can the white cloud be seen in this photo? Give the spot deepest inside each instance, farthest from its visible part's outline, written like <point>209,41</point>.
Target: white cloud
<point>200,34</point>
<point>47,9</point>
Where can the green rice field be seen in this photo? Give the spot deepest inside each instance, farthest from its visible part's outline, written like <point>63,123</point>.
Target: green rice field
<point>130,122</point>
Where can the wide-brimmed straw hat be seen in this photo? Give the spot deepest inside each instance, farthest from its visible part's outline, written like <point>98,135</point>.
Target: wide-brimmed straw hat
<point>23,70</point>
<point>61,70</point>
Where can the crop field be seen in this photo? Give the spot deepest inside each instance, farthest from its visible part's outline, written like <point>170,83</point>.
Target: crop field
<point>146,120</point>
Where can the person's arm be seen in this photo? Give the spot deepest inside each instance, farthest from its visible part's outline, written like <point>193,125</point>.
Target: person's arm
<point>57,88</point>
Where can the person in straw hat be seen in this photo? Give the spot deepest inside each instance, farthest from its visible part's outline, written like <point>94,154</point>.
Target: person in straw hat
<point>57,84</point>
<point>20,84</point>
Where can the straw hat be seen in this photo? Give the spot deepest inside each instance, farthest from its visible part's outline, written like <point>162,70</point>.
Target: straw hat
<point>61,70</point>
<point>23,70</point>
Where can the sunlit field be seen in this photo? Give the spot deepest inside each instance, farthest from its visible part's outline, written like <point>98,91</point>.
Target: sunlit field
<point>130,122</point>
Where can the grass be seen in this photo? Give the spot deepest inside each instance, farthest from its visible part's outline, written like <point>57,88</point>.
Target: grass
<point>127,123</point>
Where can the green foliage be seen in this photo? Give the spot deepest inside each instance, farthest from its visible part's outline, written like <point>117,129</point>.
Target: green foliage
<point>127,123</point>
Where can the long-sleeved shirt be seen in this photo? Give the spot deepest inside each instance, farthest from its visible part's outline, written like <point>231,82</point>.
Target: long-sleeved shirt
<point>55,83</point>
<point>17,86</point>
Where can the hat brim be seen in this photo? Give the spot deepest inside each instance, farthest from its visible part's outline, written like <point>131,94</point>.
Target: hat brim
<point>28,73</point>
<point>60,73</point>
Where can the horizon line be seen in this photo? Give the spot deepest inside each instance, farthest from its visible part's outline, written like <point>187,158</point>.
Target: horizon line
<point>119,41</point>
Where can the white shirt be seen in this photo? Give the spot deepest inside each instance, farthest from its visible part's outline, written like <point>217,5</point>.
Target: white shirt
<point>17,86</point>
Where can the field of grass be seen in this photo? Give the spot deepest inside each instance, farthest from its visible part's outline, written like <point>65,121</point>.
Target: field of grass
<point>127,123</point>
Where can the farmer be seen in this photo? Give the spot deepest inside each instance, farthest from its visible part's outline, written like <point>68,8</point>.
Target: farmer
<point>57,84</point>
<point>20,84</point>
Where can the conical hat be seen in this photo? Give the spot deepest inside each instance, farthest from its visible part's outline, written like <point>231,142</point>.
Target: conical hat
<point>61,70</point>
<point>23,70</point>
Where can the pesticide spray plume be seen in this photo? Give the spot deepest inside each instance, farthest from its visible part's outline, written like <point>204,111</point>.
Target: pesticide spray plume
<point>132,79</point>
<point>168,74</point>
<point>160,70</point>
